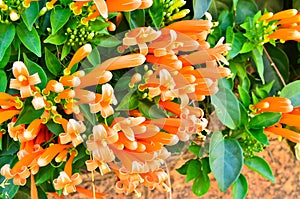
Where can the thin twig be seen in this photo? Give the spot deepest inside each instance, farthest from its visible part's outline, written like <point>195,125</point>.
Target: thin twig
<point>274,66</point>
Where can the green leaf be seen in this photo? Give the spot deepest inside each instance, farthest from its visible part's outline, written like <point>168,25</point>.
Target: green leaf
<point>7,34</point>
<point>225,20</point>
<point>244,95</point>
<point>28,113</point>
<point>260,166</point>
<point>10,190</point>
<point>129,102</point>
<point>5,58</point>
<point>34,68</point>
<point>195,149</point>
<point>30,39</point>
<point>52,62</point>
<point>94,57</point>
<point>150,110</point>
<point>58,18</point>
<point>217,6</point>
<point>245,8</point>
<point>44,174</point>
<point>183,169</point>
<point>216,137</point>
<point>57,39</point>
<point>240,188</point>
<point>30,15</point>
<point>259,135</point>
<point>107,41</point>
<point>3,82</point>
<point>257,57</point>
<point>65,51</point>
<point>201,184</point>
<point>200,7</point>
<point>292,92</point>
<point>237,43</point>
<point>264,120</point>
<point>247,47</point>
<point>241,71</point>
<point>228,108</point>
<point>156,13</point>
<point>135,18</point>
<point>281,61</point>
<point>193,170</point>
<point>226,162</point>
<point>55,128</point>
<point>85,110</point>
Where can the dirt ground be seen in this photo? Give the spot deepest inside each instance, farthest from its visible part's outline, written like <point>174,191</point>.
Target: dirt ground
<point>285,167</point>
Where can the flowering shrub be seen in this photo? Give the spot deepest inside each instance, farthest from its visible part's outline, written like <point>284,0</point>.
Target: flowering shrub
<point>116,86</point>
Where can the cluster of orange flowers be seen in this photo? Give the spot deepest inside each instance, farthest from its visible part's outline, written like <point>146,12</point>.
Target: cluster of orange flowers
<point>284,25</point>
<point>289,123</point>
<point>133,146</point>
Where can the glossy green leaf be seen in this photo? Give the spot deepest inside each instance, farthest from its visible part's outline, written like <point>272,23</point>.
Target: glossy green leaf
<point>57,39</point>
<point>30,39</point>
<point>129,102</point>
<point>260,166</point>
<point>54,128</point>
<point>135,18</point>
<point>52,62</point>
<point>217,6</point>
<point>292,92</point>
<point>7,34</point>
<point>193,170</point>
<point>10,190</point>
<point>216,137</point>
<point>35,68</point>
<point>28,113</point>
<point>30,15</point>
<point>107,41</point>
<point>258,60</point>
<point>44,174</point>
<point>259,135</point>
<point>201,184</point>
<point>150,110</point>
<point>226,162</point>
<point>94,57</point>
<point>247,47</point>
<point>3,82</point>
<point>200,7</point>
<point>245,8</point>
<point>156,12</point>
<point>282,62</point>
<point>244,96</point>
<point>58,18</point>
<point>228,108</point>
<point>195,149</point>
<point>240,70</point>
<point>65,51</point>
<point>225,20</point>
<point>183,169</point>
<point>85,110</point>
<point>240,188</point>
<point>265,119</point>
<point>5,58</point>
<point>236,41</point>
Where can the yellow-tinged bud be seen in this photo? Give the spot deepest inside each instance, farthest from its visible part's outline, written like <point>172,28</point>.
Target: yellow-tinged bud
<point>180,14</point>
<point>13,15</point>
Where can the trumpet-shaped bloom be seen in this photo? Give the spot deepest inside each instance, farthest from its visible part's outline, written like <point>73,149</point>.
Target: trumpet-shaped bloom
<point>73,129</point>
<point>274,104</point>
<point>128,126</point>
<point>103,101</point>
<point>23,81</point>
<point>99,141</point>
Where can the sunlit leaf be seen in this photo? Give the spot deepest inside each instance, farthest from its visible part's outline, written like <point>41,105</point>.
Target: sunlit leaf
<point>30,39</point>
<point>3,82</point>
<point>58,18</point>
<point>292,92</point>
<point>226,162</point>
<point>260,166</point>
<point>240,188</point>
<point>30,15</point>
<point>7,34</point>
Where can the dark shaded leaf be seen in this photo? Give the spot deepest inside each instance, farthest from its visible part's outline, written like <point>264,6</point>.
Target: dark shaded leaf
<point>7,34</point>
